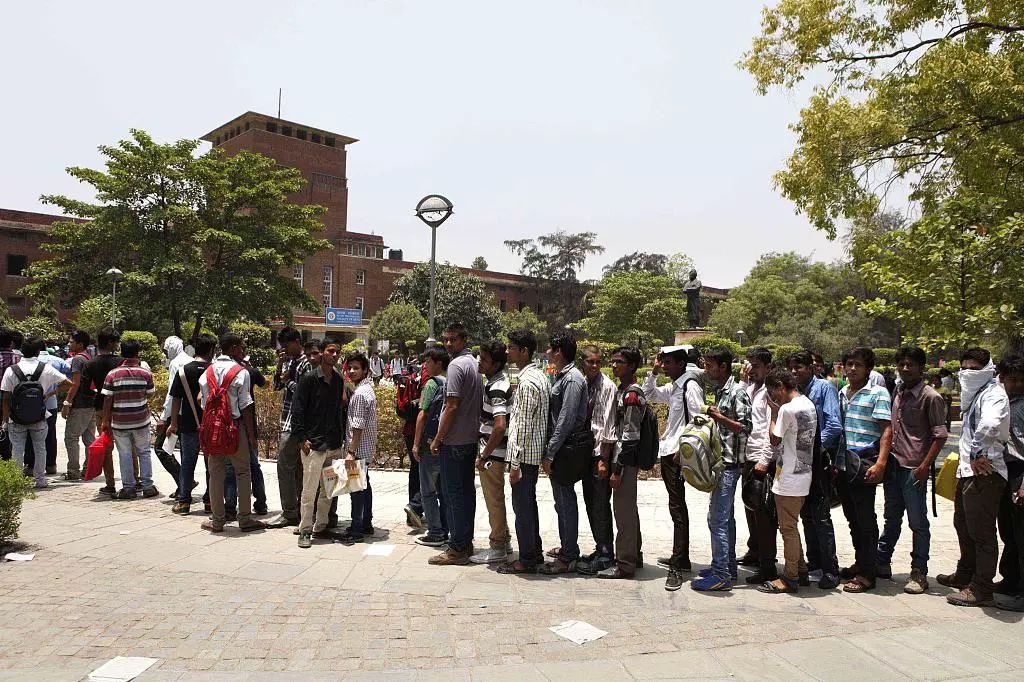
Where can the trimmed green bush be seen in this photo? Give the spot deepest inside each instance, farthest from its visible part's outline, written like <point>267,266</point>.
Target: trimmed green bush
<point>14,488</point>
<point>149,347</point>
<point>885,356</point>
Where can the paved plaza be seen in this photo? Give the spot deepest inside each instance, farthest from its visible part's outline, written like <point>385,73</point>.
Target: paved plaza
<point>117,578</point>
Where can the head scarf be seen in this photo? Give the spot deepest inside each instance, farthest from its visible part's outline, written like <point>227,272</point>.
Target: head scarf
<point>972,381</point>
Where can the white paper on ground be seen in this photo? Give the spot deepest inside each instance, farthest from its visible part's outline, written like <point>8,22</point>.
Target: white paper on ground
<point>124,532</point>
<point>121,669</point>
<point>169,443</point>
<point>379,550</point>
<point>577,631</point>
<point>14,556</point>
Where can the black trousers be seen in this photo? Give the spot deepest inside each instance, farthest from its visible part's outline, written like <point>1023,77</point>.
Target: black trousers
<point>678,512</point>
<point>764,528</point>
<point>859,508</point>
<point>597,496</point>
<point>1011,530</point>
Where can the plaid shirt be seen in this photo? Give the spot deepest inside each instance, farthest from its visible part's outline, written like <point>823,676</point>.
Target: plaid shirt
<point>734,402</point>
<point>9,357</point>
<point>287,379</point>
<point>362,414</point>
<point>528,421</point>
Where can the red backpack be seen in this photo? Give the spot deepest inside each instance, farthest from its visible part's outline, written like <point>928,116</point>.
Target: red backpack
<point>218,432</point>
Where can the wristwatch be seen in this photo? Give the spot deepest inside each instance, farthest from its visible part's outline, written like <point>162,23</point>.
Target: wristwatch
<point>67,404</point>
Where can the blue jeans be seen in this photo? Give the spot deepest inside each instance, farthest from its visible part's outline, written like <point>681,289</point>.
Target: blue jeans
<point>20,434</point>
<point>435,507</point>
<point>362,510</point>
<point>722,524</point>
<point>137,441</point>
<point>567,509</point>
<point>259,488</point>
<point>458,486</point>
<point>189,444</point>
<point>524,504</point>
<point>904,492</point>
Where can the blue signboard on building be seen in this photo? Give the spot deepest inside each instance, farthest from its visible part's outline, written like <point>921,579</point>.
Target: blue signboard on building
<point>344,317</point>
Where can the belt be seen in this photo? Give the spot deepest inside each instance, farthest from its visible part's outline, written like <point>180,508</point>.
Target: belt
<point>731,466</point>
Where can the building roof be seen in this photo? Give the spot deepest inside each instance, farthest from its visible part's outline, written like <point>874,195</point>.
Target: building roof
<point>28,220</point>
<point>348,235</point>
<point>252,116</point>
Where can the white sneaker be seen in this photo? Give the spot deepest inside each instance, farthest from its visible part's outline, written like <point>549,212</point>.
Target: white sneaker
<point>490,556</point>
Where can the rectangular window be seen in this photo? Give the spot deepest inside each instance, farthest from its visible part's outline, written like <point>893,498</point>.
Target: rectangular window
<point>16,265</point>
<point>360,277</point>
<point>246,125</point>
<point>286,130</point>
<point>329,141</point>
<point>316,138</point>
<point>359,302</point>
<point>297,275</point>
<point>301,134</point>
<point>502,305</point>
<point>271,127</point>
<point>328,286</point>
<point>361,250</point>
<point>350,249</point>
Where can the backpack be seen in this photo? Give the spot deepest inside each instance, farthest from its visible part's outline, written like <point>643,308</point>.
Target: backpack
<point>700,453</point>
<point>407,399</point>
<point>434,411</point>
<point>28,399</point>
<point>650,440</point>
<point>218,432</point>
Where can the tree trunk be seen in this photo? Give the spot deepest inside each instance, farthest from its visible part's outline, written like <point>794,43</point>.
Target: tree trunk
<point>196,329</point>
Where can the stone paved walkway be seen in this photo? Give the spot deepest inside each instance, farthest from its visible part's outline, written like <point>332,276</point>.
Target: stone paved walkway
<point>128,578</point>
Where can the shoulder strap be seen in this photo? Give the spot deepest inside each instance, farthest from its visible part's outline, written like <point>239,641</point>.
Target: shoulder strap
<point>38,371</point>
<point>230,376</point>
<point>18,373</point>
<point>686,403</point>
<point>188,393</point>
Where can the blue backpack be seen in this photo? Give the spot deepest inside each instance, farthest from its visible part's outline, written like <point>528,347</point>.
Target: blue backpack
<point>434,410</point>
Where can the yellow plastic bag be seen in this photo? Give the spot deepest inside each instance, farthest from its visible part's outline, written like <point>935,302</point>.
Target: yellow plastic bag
<point>945,482</point>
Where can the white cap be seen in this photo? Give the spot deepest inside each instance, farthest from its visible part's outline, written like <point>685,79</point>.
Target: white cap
<point>673,349</point>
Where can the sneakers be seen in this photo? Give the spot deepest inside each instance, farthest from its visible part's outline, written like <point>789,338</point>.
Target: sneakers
<point>710,583</point>
<point>918,583</point>
<point>968,597</point>
<point>40,485</point>
<point>251,525</point>
<point>666,562</point>
<point>829,581</point>
<point>1008,603</point>
<point>126,494</point>
<point>449,557</point>
<point>305,539</point>
<point>412,519</point>
<point>952,580</point>
<point>182,508</point>
<point>594,565</point>
<point>429,540</point>
<point>705,572</point>
<point>673,581</point>
<point>73,476</point>
<point>491,556</point>
<point>150,492</point>
<point>613,573</point>
<point>108,490</point>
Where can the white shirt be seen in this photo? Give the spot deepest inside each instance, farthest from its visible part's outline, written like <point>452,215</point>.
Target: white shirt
<point>876,379</point>
<point>759,444</point>
<point>48,379</point>
<point>602,419</point>
<point>679,403</point>
<point>376,366</point>
<point>986,429</point>
<point>797,426</point>
<point>238,391</point>
<point>397,366</point>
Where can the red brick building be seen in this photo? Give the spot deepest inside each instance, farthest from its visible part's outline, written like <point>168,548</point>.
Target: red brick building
<point>21,236</point>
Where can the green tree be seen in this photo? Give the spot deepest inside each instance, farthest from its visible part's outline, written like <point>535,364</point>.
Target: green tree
<point>199,238</point>
<point>554,262</point>
<point>952,279</point>
<point>522,319</point>
<point>398,323</point>
<point>677,266</point>
<point>927,94</point>
<point>93,314</point>
<point>479,263</point>
<point>635,307</point>
<point>149,347</point>
<point>788,300</point>
<point>458,298</point>
<point>5,316</point>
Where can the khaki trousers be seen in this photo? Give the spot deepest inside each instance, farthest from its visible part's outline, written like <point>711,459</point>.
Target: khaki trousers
<point>492,482</point>
<point>314,506</point>
<point>788,510</point>
<point>627,521</point>
<point>218,465</point>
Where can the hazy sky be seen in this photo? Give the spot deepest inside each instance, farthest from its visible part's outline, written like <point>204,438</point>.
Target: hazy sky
<point>626,118</point>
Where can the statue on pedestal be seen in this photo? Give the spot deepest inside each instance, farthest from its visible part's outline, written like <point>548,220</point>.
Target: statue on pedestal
<point>692,290</point>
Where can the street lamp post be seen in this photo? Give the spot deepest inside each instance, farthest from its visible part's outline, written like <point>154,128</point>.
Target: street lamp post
<point>115,275</point>
<point>433,210</point>
<point>739,333</point>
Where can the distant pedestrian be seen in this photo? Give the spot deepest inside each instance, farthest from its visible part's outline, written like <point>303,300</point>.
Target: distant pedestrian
<point>292,365</point>
<point>361,444</point>
<point>77,410</point>
<point>187,415</point>
<point>435,509</point>
<point>126,414</point>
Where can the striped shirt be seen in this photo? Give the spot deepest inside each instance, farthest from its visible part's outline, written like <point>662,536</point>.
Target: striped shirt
<point>863,411</point>
<point>129,386</point>
<point>286,379</point>
<point>362,414</point>
<point>528,420</point>
<point>603,407</point>
<point>497,398</point>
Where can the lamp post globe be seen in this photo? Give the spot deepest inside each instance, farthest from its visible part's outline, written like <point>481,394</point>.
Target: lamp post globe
<point>740,334</point>
<point>433,210</point>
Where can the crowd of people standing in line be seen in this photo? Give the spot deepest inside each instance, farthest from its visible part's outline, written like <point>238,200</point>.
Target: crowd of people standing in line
<point>789,439</point>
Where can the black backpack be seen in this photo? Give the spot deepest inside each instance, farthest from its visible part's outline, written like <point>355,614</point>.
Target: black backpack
<point>28,399</point>
<point>650,439</point>
<point>434,410</point>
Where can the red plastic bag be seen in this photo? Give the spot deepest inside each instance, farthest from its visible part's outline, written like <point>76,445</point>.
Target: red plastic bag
<point>98,451</point>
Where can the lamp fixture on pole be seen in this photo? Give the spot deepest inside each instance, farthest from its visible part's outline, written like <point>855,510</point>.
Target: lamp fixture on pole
<point>115,275</point>
<point>433,210</point>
